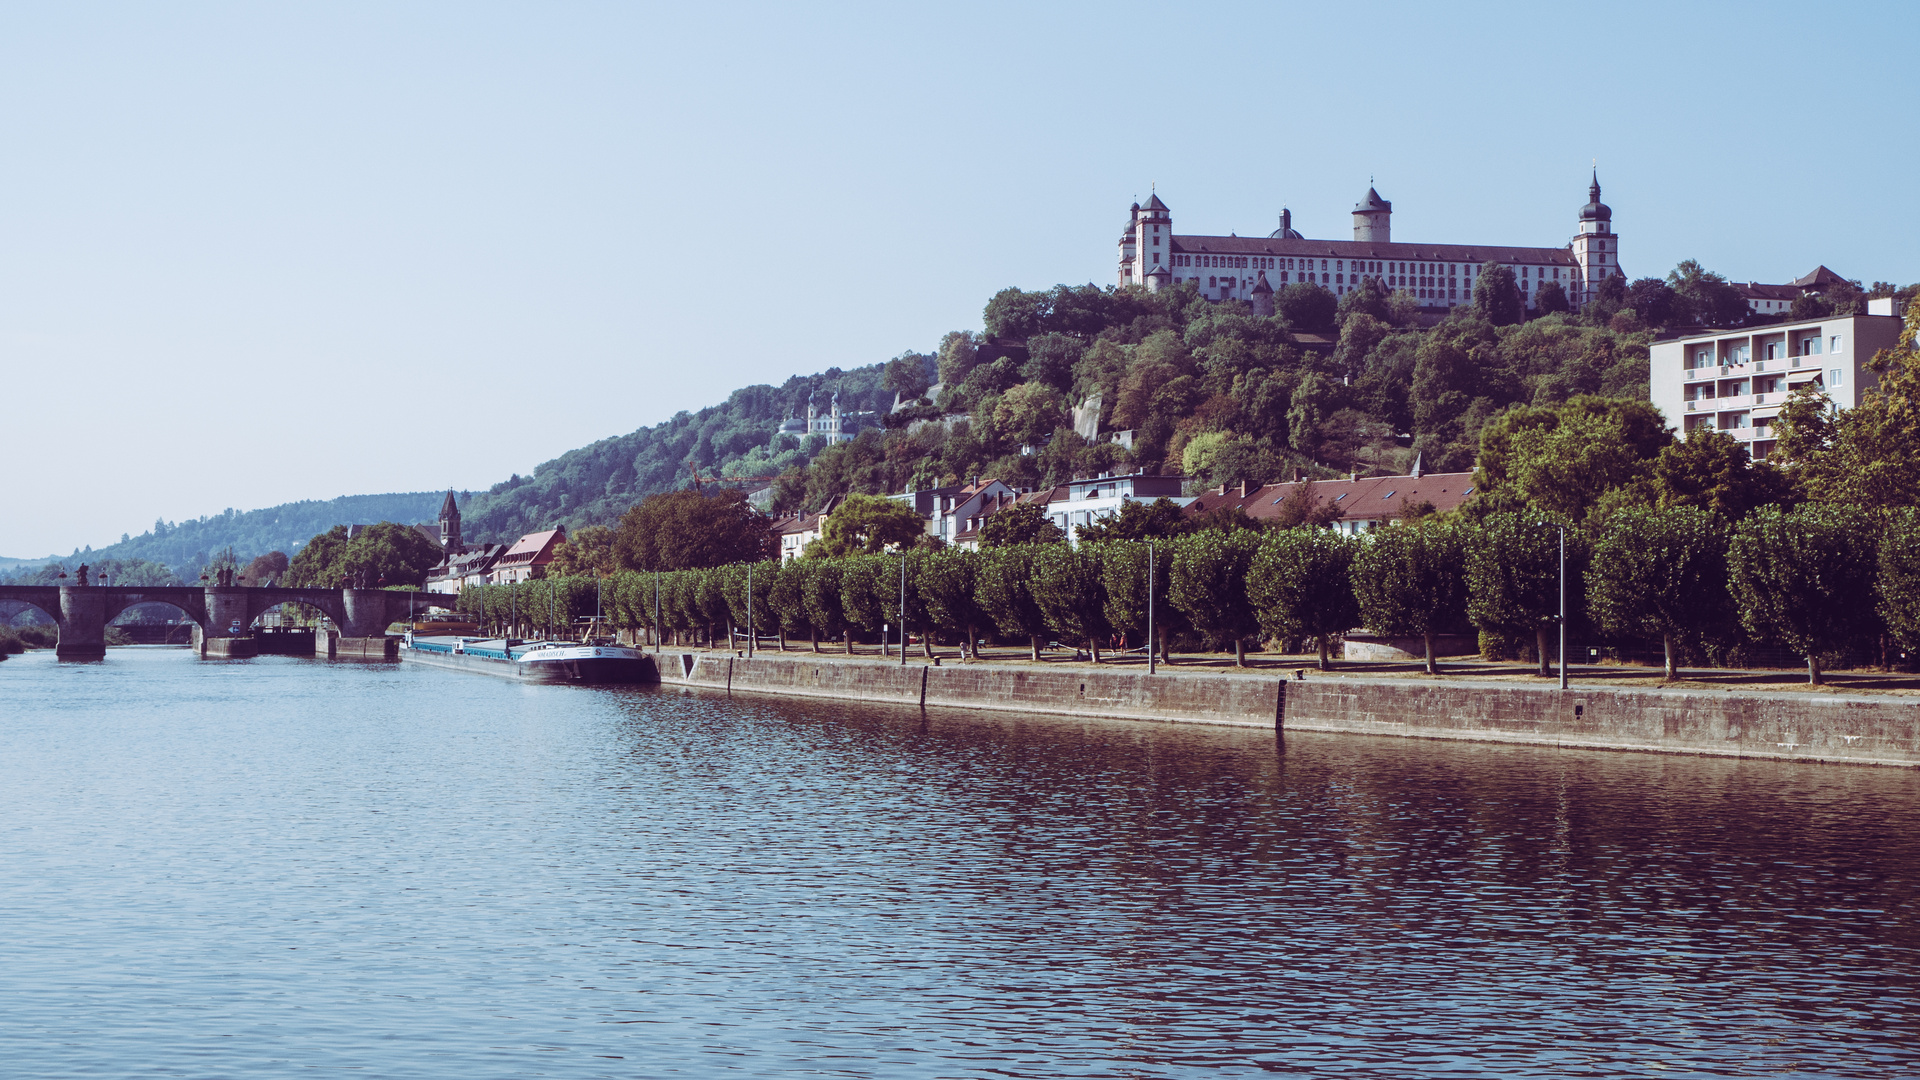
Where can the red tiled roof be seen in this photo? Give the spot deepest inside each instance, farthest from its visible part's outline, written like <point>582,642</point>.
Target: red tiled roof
<point>530,546</point>
<point>1371,498</point>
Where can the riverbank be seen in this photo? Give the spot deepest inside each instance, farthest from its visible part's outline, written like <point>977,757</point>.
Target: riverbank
<point>1830,727</point>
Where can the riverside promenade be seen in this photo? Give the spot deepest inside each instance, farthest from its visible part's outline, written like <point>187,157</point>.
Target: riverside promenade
<point>1746,717</point>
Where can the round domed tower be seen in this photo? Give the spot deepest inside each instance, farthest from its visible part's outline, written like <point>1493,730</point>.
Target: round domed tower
<point>1595,247</point>
<point>1286,231</point>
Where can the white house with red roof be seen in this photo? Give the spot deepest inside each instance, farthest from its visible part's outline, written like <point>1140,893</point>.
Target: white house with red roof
<point>527,558</point>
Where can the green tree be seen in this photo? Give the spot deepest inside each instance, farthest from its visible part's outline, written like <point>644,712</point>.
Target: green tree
<point>1209,586</point>
<point>1868,455</point>
<point>869,524</point>
<point>1069,587</point>
<point>1496,295</point>
<point>959,352</point>
<point>1551,299</point>
<point>1704,297</point>
<point>1804,577</point>
<point>1662,573</point>
<point>1021,523</point>
<point>1303,507</point>
<point>786,597</point>
<point>587,550</point>
<point>1301,586</point>
<point>1029,413</point>
<point>1713,471</point>
<point>1004,589</point>
<point>263,570</point>
<point>1123,568</point>
<point>709,597</point>
<point>1137,520</point>
<point>1411,580</point>
<point>826,614</point>
<point>1565,458</point>
<point>1307,307</point>
<point>683,530</point>
<point>1513,578</point>
<point>867,593</point>
<point>906,375</point>
<point>748,599</point>
<point>1898,579</point>
<point>316,564</point>
<point>947,584</point>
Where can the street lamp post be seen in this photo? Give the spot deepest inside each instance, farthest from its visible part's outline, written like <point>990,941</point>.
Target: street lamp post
<point>1563,607</point>
<point>903,609</point>
<point>1150,576</point>
<point>750,631</point>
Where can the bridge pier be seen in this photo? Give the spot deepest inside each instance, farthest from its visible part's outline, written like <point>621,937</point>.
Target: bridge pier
<point>83,624</point>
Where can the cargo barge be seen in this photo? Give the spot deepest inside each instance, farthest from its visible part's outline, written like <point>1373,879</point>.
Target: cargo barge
<point>594,662</point>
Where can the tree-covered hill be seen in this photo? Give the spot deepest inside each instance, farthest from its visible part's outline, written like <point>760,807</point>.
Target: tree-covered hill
<point>595,484</point>
<point>1362,382</point>
<point>187,546</point>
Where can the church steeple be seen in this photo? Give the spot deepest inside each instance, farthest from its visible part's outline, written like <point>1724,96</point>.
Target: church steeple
<point>450,523</point>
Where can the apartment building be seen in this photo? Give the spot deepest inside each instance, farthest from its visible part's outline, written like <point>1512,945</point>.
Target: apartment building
<point>1736,380</point>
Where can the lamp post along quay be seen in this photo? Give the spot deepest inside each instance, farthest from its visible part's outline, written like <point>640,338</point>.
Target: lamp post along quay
<point>1150,576</point>
<point>903,609</point>
<point>1563,607</point>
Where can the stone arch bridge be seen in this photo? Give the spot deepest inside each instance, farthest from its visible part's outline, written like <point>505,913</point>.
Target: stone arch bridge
<point>83,611</point>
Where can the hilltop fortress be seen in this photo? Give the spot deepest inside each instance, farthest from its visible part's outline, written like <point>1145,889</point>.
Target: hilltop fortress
<point>1440,276</point>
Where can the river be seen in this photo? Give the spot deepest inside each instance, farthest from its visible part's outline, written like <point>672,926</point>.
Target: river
<point>273,866</point>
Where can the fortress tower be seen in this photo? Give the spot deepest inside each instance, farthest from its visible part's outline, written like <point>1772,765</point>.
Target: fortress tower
<point>1373,219</point>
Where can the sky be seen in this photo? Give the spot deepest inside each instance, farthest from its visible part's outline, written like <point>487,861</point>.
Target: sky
<point>253,253</point>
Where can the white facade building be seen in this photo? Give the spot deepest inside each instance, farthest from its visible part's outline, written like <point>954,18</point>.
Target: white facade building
<point>1083,502</point>
<point>1736,380</point>
<point>1440,276</point>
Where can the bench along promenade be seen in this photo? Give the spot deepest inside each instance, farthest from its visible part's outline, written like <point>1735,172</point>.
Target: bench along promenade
<point>223,613</point>
<point>1844,728</point>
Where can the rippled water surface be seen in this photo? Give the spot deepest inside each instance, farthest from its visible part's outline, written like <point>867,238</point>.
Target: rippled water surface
<point>247,869</point>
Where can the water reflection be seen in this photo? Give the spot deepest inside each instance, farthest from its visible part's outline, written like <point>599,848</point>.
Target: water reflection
<point>281,864</point>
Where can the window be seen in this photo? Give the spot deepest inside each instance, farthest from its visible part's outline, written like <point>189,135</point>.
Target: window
<point>1835,343</point>
<point>1837,377</point>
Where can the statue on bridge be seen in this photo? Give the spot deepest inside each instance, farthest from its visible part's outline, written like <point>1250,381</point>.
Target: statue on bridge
<point>80,575</point>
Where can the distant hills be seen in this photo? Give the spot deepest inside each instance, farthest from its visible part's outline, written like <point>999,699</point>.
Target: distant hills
<point>592,485</point>
<point>187,546</point>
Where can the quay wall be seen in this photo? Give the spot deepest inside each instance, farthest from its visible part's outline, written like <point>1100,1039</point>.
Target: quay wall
<point>1837,728</point>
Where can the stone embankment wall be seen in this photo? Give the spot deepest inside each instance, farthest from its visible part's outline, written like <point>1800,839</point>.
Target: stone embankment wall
<point>1798,726</point>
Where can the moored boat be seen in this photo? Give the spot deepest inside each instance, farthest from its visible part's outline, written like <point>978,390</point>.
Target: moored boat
<point>593,661</point>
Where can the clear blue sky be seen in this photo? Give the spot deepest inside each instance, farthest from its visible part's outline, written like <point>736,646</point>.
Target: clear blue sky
<point>252,253</point>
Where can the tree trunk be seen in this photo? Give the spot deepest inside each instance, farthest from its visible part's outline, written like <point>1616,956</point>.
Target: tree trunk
<point>1239,652</point>
<point>1165,635</point>
<point>814,632</point>
<point>1093,648</point>
<point>1324,652</point>
<point>1540,647</point>
<point>926,642</point>
<point>1813,671</point>
<point>783,639</point>
<point>971,651</point>
<point>1673,669</point>
<point>1432,668</point>
<point>847,635</point>
<point>1035,639</point>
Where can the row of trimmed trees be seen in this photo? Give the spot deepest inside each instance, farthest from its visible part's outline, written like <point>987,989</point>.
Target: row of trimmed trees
<point>1821,581</point>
